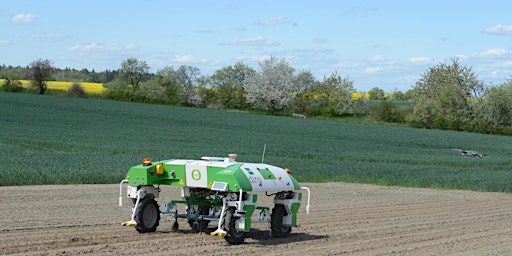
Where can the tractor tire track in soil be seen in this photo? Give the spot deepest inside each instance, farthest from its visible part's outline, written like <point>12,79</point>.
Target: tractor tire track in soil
<point>346,219</point>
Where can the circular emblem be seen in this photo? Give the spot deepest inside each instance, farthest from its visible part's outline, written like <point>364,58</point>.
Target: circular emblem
<point>196,175</point>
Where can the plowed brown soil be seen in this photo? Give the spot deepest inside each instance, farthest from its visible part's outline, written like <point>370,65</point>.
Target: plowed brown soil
<point>346,219</point>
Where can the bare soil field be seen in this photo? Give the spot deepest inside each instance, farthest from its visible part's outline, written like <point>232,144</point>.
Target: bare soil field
<point>345,219</point>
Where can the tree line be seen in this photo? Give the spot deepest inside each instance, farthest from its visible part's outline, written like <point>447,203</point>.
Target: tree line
<point>447,96</point>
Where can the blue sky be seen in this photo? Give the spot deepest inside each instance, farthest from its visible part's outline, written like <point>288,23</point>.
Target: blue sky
<point>387,44</point>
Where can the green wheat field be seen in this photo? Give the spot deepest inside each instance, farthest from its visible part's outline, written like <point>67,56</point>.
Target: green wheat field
<point>60,140</point>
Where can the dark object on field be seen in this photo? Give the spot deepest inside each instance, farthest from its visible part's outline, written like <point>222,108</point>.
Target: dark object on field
<point>467,153</point>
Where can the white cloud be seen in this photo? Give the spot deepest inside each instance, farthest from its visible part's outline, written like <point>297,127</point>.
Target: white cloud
<point>499,30</point>
<point>101,47</point>
<point>372,70</point>
<point>461,57</point>
<point>496,52</point>
<point>420,60</point>
<point>24,19</point>
<point>252,41</point>
<point>273,21</point>
<point>188,59</point>
<point>4,42</point>
<point>503,64</point>
<point>378,57</point>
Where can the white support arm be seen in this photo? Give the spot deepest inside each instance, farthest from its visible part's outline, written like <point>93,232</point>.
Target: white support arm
<point>309,197</point>
<point>121,192</point>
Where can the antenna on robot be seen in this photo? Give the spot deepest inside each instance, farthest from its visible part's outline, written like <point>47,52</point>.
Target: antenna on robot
<point>263,155</point>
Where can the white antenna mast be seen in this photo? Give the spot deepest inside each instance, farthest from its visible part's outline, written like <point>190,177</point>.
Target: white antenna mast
<point>263,155</point>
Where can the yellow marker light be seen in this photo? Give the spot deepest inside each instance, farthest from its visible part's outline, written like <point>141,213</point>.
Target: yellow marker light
<point>146,161</point>
<point>159,169</point>
<point>288,170</point>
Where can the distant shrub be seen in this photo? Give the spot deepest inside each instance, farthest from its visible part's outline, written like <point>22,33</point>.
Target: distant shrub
<point>76,91</point>
<point>117,90</point>
<point>11,86</point>
<point>385,111</point>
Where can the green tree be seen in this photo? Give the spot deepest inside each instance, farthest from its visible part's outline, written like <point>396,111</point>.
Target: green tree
<point>334,95</point>
<point>187,77</point>
<point>117,89</point>
<point>496,113</point>
<point>304,101</point>
<point>167,78</point>
<point>399,95</point>
<point>151,92</point>
<point>11,86</point>
<point>40,71</point>
<point>229,84</point>
<point>449,94</point>
<point>273,87</point>
<point>376,94</point>
<point>12,73</point>
<point>134,72</point>
<point>423,113</point>
<point>385,111</point>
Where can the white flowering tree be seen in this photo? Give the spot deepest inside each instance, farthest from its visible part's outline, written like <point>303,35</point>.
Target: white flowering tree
<point>273,87</point>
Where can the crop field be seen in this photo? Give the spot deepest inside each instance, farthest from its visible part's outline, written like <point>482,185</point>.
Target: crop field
<point>94,88</point>
<point>60,140</point>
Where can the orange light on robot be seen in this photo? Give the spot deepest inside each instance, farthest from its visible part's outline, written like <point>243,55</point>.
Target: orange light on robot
<point>146,161</point>
<point>288,170</point>
<point>233,156</point>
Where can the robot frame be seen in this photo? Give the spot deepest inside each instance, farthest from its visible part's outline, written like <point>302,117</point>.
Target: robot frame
<point>214,189</point>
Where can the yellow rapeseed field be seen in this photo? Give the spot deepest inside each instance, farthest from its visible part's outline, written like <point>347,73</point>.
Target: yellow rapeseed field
<point>95,88</point>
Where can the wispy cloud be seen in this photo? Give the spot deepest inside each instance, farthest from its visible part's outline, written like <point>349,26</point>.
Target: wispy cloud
<point>24,19</point>
<point>273,21</point>
<point>101,47</point>
<point>378,57</point>
<point>496,52</point>
<point>504,64</point>
<point>47,36</point>
<point>372,70</point>
<point>420,60</point>
<point>252,41</point>
<point>499,30</point>
<point>188,59</point>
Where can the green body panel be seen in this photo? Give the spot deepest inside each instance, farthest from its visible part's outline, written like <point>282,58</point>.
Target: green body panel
<point>267,174</point>
<point>295,183</point>
<point>146,175</point>
<point>249,210</point>
<point>191,173</point>
<point>294,208</point>
<point>232,175</point>
<point>175,174</point>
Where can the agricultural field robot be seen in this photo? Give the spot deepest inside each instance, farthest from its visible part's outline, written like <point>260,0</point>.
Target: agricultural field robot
<point>214,189</point>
